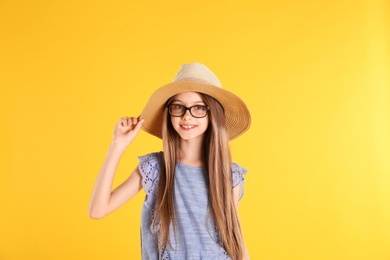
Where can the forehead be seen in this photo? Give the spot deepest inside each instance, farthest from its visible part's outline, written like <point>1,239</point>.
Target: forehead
<point>188,97</point>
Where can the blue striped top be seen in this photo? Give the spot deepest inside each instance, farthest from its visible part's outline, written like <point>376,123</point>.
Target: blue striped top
<point>197,236</point>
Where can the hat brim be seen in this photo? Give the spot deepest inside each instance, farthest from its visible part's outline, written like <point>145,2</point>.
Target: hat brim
<point>237,116</point>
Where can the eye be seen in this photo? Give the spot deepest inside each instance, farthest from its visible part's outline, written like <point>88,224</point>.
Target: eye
<point>200,108</point>
<point>177,107</point>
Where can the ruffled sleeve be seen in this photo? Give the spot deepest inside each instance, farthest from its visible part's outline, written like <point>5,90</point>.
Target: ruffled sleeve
<point>238,178</point>
<point>149,166</point>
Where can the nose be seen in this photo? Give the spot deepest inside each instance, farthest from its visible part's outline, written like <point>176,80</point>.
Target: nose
<point>187,114</point>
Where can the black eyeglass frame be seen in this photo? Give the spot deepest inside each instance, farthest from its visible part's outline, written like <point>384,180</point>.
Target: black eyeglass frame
<point>189,109</point>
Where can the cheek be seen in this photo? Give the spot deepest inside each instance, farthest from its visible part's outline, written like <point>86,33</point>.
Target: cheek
<point>173,120</point>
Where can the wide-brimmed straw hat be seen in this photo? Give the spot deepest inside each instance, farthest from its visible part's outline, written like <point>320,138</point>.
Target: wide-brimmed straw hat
<point>196,77</point>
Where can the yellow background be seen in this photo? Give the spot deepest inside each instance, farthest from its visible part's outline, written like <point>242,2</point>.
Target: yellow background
<point>315,75</point>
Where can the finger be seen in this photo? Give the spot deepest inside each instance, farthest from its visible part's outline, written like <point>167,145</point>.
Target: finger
<point>139,124</point>
<point>123,121</point>
<point>129,121</point>
<point>120,122</point>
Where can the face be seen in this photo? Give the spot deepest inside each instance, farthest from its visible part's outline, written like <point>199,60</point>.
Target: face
<point>187,126</point>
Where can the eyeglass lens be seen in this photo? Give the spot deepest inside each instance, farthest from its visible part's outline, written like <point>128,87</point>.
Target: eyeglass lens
<point>195,111</point>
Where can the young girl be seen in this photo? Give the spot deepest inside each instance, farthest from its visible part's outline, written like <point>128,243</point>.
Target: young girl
<point>192,187</point>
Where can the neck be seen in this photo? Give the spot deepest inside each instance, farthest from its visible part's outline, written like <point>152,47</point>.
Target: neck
<point>191,153</point>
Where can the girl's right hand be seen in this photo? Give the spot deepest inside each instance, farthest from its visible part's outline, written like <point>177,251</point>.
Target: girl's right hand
<point>126,130</point>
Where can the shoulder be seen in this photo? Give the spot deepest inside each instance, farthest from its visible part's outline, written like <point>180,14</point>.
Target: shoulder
<point>149,167</point>
<point>149,161</point>
<point>238,173</point>
<point>151,156</point>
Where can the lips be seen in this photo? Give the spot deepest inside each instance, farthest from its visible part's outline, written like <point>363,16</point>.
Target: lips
<point>187,127</point>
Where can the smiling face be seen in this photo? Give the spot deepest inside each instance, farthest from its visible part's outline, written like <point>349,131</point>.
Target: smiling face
<point>187,126</point>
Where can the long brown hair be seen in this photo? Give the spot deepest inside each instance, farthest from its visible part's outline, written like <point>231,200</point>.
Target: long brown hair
<point>219,167</point>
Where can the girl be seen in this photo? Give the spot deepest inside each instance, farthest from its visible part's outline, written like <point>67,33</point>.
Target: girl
<point>192,187</point>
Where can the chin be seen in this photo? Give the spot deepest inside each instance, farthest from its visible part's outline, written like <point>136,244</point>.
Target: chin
<point>187,137</point>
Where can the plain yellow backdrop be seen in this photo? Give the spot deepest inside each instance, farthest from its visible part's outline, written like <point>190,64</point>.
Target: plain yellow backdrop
<point>314,74</point>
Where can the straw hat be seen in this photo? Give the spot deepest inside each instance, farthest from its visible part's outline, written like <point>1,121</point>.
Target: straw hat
<point>196,77</point>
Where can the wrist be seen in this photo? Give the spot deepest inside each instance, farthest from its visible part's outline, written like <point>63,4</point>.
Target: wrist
<point>118,146</point>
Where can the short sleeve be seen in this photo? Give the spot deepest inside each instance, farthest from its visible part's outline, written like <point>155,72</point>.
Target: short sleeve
<point>149,167</point>
<point>238,173</point>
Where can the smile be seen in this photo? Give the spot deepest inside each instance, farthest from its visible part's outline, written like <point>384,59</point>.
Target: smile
<point>187,127</point>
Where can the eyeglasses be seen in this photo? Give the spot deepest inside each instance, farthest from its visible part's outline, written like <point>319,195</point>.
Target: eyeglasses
<point>197,111</point>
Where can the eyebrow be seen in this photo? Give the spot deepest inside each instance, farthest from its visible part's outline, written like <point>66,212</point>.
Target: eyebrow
<point>176,100</point>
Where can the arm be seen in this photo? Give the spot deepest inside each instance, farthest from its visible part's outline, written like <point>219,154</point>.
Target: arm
<point>104,200</point>
<point>236,194</point>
